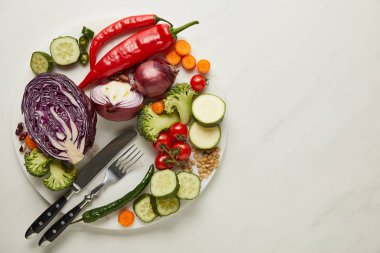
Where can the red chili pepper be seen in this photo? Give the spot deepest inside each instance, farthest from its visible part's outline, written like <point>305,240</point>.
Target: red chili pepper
<point>121,26</point>
<point>134,50</point>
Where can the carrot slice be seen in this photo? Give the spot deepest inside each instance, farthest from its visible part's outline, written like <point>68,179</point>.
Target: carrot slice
<point>30,143</point>
<point>158,107</point>
<point>188,62</point>
<point>172,57</point>
<point>126,218</point>
<point>182,47</point>
<point>203,66</point>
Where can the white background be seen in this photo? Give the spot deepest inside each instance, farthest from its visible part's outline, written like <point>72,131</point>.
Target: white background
<point>301,169</point>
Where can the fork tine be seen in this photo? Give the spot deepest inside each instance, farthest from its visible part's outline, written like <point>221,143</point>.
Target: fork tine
<point>122,157</point>
<point>126,158</point>
<point>131,162</point>
<point>126,161</point>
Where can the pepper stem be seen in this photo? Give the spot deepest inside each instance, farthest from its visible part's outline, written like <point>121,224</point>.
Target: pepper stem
<point>174,31</point>
<point>158,19</point>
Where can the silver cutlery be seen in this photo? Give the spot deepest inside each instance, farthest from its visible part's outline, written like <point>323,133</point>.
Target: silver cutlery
<point>117,170</point>
<point>85,175</point>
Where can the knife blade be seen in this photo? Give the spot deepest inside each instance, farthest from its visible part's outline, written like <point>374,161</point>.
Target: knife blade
<point>85,175</point>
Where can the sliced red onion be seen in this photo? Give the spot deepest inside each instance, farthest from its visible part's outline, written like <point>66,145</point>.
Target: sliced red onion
<point>116,101</point>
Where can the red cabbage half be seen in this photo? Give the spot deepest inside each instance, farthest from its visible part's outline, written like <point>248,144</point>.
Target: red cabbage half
<point>59,117</point>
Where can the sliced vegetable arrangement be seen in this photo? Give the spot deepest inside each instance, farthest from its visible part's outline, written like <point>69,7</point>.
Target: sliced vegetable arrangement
<point>64,50</point>
<point>136,78</point>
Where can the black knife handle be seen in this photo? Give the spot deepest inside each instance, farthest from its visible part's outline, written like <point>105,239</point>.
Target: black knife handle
<point>57,228</point>
<point>44,219</point>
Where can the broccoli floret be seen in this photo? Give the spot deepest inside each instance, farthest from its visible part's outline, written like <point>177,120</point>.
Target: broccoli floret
<point>180,98</point>
<point>150,124</point>
<point>59,177</point>
<point>36,163</point>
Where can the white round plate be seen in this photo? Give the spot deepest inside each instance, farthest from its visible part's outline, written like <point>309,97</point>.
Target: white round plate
<point>107,130</point>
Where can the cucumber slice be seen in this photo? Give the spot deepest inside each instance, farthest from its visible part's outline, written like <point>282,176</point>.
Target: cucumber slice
<point>64,50</point>
<point>168,206</point>
<point>208,110</point>
<point>164,184</point>
<point>189,185</point>
<point>145,208</point>
<point>41,62</point>
<point>204,137</point>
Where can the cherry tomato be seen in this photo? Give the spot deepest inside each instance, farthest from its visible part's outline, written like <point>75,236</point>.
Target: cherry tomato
<point>181,151</point>
<point>163,161</point>
<point>178,131</point>
<point>163,139</point>
<point>198,82</point>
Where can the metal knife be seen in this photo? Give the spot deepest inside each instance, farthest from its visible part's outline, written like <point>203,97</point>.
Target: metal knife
<point>85,175</point>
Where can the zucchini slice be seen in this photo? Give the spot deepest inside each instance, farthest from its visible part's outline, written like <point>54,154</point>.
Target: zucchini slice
<point>64,50</point>
<point>189,185</point>
<point>41,62</point>
<point>164,184</point>
<point>208,110</point>
<point>168,206</point>
<point>145,208</point>
<point>204,137</point>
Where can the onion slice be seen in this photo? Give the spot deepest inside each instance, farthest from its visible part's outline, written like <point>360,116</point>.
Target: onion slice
<point>116,101</point>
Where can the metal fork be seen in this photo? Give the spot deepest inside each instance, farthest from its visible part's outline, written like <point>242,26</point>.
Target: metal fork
<point>115,172</point>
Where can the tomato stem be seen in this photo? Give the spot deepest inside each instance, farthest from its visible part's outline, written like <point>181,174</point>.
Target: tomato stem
<point>173,160</point>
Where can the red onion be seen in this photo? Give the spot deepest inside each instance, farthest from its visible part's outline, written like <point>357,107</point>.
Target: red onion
<point>116,101</point>
<point>154,77</point>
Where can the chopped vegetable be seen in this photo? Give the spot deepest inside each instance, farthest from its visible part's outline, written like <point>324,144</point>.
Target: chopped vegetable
<point>154,77</point>
<point>59,177</point>
<point>126,218</point>
<point>145,208</point>
<point>182,47</point>
<point>189,185</point>
<point>59,117</point>
<point>83,58</point>
<point>88,33</point>
<point>158,107</point>
<point>180,98</point>
<point>134,50</point>
<point>41,62</point>
<point>172,57</point>
<point>99,212</point>
<point>30,143</point>
<point>188,62</point>
<point>65,50</point>
<point>203,66</point>
<point>37,163</point>
<point>167,206</point>
<point>150,124</point>
<point>208,109</point>
<point>115,101</point>
<point>83,42</point>
<point>164,184</point>
<point>204,137</point>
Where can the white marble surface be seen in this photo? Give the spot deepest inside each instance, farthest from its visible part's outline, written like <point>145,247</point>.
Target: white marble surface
<point>301,170</point>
